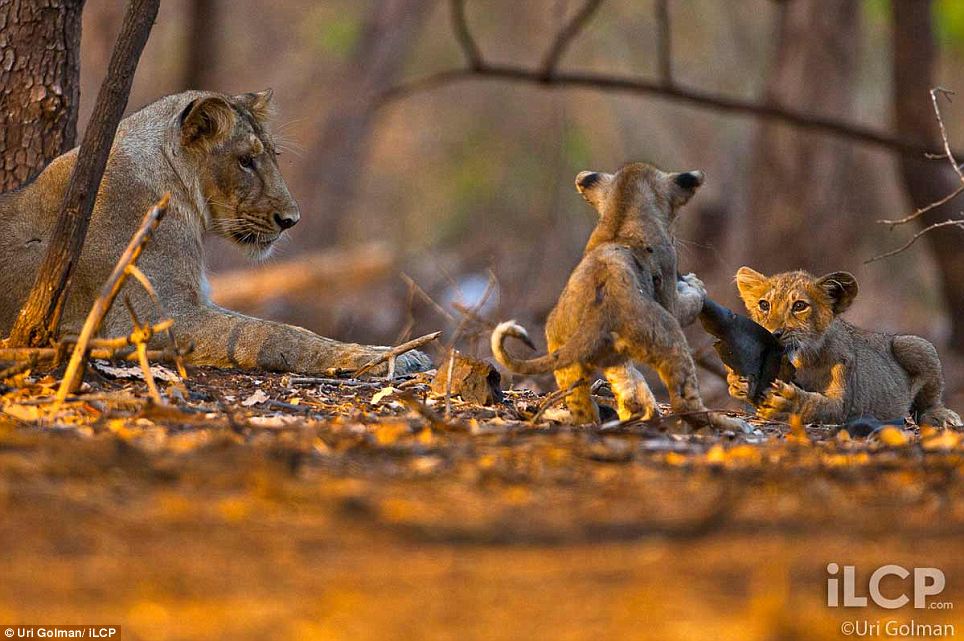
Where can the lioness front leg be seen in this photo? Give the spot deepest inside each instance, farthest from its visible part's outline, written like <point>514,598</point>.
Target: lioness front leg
<point>228,339</point>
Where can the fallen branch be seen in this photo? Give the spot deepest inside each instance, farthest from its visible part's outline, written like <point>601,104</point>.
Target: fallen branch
<point>394,353</point>
<point>108,293</point>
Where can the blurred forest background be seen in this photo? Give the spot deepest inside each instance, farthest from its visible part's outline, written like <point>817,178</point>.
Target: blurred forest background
<point>476,176</point>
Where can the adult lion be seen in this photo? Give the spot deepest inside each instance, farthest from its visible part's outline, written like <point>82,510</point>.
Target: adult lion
<point>213,153</point>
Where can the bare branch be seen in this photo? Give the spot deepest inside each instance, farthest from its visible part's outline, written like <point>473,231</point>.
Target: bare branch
<point>675,93</point>
<point>953,222</point>
<point>923,210</point>
<point>940,123</point>
<point>664,42</point>
<point>566,35</point>
<point>473,56</point>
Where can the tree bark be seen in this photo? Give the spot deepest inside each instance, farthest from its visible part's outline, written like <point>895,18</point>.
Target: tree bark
<point>799,186</point>
<point>338,165</point>
<point>37,323</point>
<point>202,45</point>
<point>39,85</point>
<point>927,181</point>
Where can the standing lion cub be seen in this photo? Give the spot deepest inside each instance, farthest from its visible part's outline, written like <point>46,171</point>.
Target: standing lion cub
<point>623,302</point>
<point>842,372</point>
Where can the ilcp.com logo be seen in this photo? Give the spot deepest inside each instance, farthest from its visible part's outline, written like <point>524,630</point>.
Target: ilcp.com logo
<point>916,586</point>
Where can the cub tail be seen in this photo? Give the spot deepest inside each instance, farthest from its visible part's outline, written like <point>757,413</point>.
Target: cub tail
<point>539,365</point>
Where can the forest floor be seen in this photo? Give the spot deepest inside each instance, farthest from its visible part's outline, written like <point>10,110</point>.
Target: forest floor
<point>261,507</point>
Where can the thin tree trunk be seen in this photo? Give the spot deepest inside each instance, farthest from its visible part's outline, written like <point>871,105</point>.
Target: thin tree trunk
<point>39,85</point>
<point>342,147</point>
<point>202,45</point>
<point>927,181</point>
<point>799,183</point>
<point>37,323</point>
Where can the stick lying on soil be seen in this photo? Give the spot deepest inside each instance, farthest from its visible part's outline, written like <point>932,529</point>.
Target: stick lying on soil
<point>394,353</point>
<point>108,293</point>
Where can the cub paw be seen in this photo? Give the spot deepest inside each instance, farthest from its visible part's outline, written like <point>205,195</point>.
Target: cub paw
<point>779,402</point>
<point>737,386</point>
<point>690,285</point>
<point>940,417</point>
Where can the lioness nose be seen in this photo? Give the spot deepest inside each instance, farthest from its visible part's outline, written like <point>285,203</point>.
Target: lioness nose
<point>286,221</point>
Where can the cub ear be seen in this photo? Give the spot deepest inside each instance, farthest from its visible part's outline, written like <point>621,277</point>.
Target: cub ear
<point>841,288</point>
<point>684,185</point>
<point>593,186</point>
<point>206,122</point>
<point>258,103</point>
<point>749,282</point>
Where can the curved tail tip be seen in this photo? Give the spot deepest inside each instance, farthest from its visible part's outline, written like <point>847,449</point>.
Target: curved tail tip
<point>513,329</point>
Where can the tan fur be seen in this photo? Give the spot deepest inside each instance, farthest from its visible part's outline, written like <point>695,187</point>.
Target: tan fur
<point>623,303</point>
<point>191,144</point>
<point>842,372</point>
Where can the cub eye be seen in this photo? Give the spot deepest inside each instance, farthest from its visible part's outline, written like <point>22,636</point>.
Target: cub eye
<point>764,306</point>
<point>246,161</point>
<point>799,306</point>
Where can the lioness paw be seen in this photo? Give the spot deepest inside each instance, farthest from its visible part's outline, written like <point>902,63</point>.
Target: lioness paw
<point>412,362</point>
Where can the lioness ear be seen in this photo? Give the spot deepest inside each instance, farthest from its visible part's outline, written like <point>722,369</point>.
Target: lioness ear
<point>841,288</point>
<point>206,122</point>
<point>684,185</point>
<point>258,103</point>
<point>593,186</point>
<point>749,282</point>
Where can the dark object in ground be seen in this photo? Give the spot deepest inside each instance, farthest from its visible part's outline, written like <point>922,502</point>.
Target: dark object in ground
<point>746,347</point>
<point>474,380</point>
<point>864,426</point>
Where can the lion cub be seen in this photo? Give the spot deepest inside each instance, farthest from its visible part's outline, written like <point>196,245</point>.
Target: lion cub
<point>622,302</point>
<point>842,372</point>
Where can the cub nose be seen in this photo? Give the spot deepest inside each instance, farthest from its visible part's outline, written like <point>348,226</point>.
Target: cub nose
<point>777,333</point>
<point>286,221</point>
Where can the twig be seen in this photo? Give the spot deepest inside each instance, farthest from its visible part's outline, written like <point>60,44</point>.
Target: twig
<point>395,352</point>
<point>664,42</point>
<point>108,292</point>
<point>923,210</point>
<point>473,57</point>
<point>565,37</point>
<point>947,223</point>
<point>553,398</point>
<point>949,155</point>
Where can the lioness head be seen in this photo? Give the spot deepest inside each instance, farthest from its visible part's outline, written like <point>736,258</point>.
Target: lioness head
<point>639,187</point>
<point>796,307</point>
<point>248,201</point>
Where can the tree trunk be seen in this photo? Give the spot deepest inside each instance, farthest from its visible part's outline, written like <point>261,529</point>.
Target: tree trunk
<point>927,181</point>
<point>199,69</point>
<point>378,59</point>
<point>39,85</point>
<point>800,183</point>
<point>37,323</point>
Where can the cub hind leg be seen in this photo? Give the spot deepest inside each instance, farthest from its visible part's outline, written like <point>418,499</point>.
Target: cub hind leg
<point>579,400</point>
<point>919,359</point>
<point>653,336</point>
<point>633,396</point>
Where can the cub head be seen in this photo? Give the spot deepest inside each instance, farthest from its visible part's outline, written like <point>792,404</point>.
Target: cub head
<point>796,307</point>
<point>236,162</point>
<point>638,188</point>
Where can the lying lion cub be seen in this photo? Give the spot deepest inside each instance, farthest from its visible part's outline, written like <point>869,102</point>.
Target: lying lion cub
<point>622,302</point>
<point>842,372</point>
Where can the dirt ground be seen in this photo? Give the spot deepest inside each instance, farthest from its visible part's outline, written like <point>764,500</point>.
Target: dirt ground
<point>260,507</point>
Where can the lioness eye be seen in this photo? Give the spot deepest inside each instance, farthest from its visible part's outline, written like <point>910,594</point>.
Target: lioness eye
<point>764,306</point>
<point>799,306</point>
<point>246,161</point>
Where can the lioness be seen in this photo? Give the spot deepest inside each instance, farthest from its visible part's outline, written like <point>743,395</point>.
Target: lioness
<point>215,156</point>
<point>623,304</point>
<point>842,372</point>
